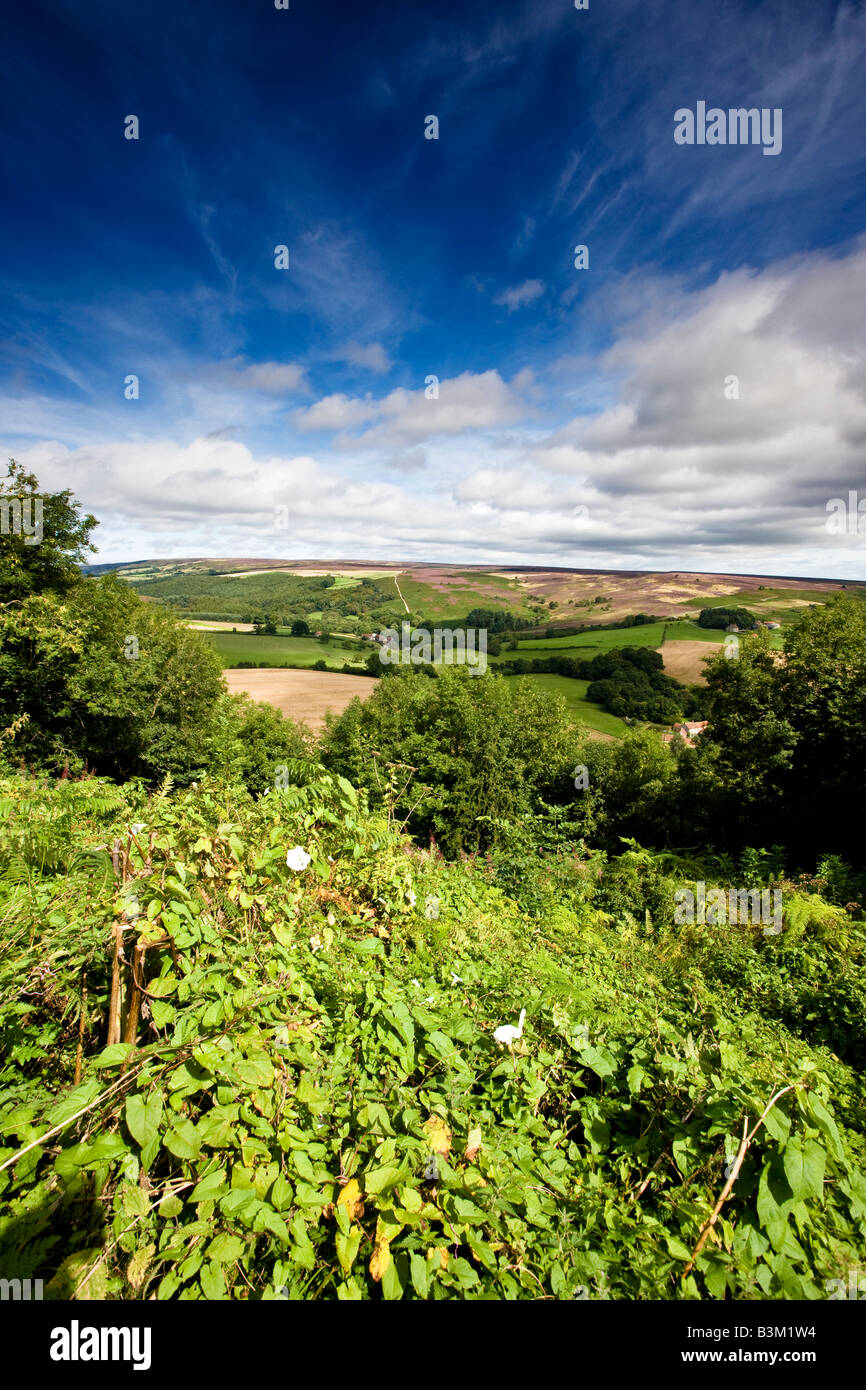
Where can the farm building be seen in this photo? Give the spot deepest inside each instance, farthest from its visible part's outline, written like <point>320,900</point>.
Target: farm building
<point>688,731</point>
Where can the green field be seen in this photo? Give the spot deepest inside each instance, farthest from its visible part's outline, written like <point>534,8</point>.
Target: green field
<point>462,596</point>
<point>574,694</point>
<point>539,653</point>
<point>768,604</point>
<point>234,647</point>
<point>651,635</point>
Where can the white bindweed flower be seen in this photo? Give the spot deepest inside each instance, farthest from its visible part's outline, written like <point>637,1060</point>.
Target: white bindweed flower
<point>416,983</point>
<point>315,943</point>
<point>455,979</point>
<point>431,999</point>
<point>298,859</point>
<point>508,1034</point>
<point>412,898</point>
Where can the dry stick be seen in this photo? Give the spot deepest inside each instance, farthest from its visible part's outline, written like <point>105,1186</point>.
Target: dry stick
<point>735,1170</point>
<point>114,1003</point>
<point>49,1134</point>
<point>57,1128</point>
<point>107,1251</point>
<point>131,1030</point>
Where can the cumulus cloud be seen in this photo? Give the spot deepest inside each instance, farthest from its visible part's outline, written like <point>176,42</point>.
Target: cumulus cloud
<point>280,378</point>
<point>658,463</point>
<point>472,401</point>
<point>519,295</point>
<point>372,356</point>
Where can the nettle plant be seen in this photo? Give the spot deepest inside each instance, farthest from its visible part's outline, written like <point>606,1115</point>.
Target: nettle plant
<point>232,1070</point>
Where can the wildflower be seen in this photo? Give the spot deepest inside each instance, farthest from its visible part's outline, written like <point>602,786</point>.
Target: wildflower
<point>507,1033</point>
<point>298,859</point>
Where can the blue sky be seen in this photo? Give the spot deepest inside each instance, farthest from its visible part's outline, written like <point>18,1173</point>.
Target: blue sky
<point>582,415</point>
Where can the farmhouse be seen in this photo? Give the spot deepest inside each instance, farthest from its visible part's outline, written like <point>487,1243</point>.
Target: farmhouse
<point>688,731</point>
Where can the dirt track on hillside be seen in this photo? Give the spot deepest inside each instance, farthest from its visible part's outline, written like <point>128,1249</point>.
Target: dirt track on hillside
<point>302,695</point>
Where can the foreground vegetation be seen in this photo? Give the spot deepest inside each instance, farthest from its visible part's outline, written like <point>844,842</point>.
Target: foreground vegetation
<point>313,1100</point>
<point>250,983</point>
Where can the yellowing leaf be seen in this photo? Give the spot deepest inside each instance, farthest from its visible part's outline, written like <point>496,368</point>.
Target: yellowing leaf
<point>442,1253</point>
<point>388,1227</point>
<point>351,1199</point>
<point>438,1135</point>
<point>473,1144</point>
<point>139,1265</point>
<point>380,1261</point>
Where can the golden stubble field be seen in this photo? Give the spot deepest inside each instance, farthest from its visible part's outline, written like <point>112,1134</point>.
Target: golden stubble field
<point>685,660</point>
<point>306,696</point>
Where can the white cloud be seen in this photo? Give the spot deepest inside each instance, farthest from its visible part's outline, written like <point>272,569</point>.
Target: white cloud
<point>472,401</point>
<point>370,355</point>
<point>272,378</point>
<point>658,470</point>
<point>518,295</point>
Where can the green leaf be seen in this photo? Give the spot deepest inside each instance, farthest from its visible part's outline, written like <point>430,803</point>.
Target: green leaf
<point>183,1140</point>
<point>256,1072</point>
<point>213,1282</point>
<point>135,1200</point>
<point>804,1168</point>
<point>225,1249</point>
<point>818,1112</point>
<point>418,1267</point>
<point>370,946</point>
<point>347,1249</point>
<point>115,1055</point>
<point>378,1180</point>
<point>392,1284</point>
<point>210,1187</point>
<point>281,1193</point>
<point>774,1202</point>
<point>302,1251</point>
<point>143,1117</point>
<point>600,1059</point>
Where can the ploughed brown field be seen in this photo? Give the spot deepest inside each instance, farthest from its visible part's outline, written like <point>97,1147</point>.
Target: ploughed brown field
<point>302,695</point>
